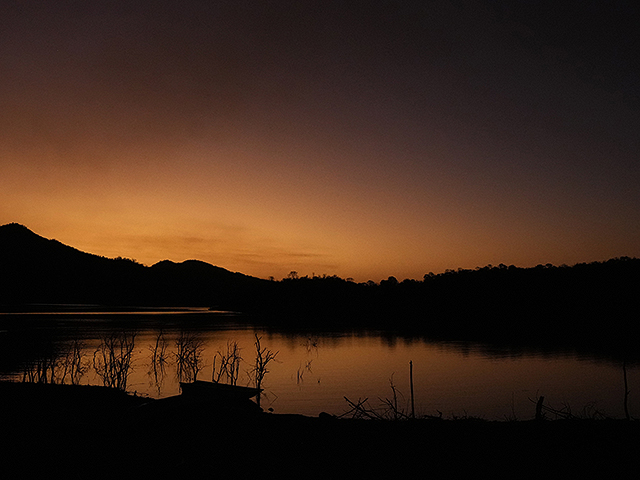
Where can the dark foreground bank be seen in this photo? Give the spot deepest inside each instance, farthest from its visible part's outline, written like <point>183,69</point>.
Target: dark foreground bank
<point>51,431</point>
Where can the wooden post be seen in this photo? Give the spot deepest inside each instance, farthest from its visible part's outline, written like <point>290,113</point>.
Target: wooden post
<point>539,408</point>
<point>626,390</point>
<point>413,411</point>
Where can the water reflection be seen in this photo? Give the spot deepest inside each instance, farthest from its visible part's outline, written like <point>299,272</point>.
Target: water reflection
<point>57,364</point>
<point>158,361</point>
<point>313,371</point>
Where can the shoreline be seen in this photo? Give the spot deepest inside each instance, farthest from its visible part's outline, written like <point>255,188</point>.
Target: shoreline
<point>97,432</point>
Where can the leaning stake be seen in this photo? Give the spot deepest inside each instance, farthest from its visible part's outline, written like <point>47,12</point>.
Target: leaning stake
<point>413,411</point>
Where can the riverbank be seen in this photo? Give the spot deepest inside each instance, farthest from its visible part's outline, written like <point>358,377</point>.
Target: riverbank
<point>91,432</point>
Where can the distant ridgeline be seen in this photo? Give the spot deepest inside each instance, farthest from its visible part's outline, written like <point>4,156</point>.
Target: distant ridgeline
<point>589,300</point>
<point>36,270</point>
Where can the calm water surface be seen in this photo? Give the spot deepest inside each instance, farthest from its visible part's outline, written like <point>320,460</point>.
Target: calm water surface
<point>314,373</point>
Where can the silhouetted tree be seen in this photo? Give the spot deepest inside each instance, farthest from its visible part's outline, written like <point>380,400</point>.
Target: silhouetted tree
<point>113,359</point>
<point>189,356</point>
<point>264,357</point>
<point>227,365</point>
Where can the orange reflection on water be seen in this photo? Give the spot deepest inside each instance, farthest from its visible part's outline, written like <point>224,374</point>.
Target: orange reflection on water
<point>314,373</point>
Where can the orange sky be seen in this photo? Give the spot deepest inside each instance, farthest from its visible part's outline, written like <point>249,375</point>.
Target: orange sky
<point>316,137</point>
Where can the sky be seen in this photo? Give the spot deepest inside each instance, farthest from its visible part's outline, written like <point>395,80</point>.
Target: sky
<point>359,139</point>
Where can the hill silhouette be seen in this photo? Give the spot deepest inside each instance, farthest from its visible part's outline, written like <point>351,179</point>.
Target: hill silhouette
<point>34,269</point>
<point>591,304</point>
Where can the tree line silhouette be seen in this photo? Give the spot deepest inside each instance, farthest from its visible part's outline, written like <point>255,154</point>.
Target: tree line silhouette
<point>595,302</point>
<point>588,300</point>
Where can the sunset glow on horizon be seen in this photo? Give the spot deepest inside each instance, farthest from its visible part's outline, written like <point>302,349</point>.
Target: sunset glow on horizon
<point>361,141</point>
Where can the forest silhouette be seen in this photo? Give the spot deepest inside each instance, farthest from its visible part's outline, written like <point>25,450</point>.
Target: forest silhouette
<point>593,303</point>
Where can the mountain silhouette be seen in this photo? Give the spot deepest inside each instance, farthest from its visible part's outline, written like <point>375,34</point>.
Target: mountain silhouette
<point>588,304</point>
<point>34,269</point>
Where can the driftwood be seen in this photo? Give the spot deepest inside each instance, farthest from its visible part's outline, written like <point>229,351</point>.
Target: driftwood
<point>360,409</point>
<point>389,408</point>
<point>588,412</point>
